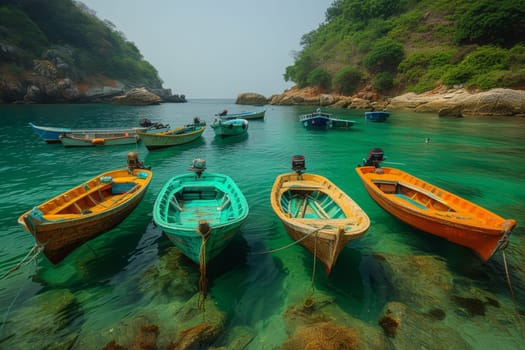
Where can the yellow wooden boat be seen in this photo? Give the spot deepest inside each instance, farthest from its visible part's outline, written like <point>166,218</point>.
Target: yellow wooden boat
<point>434,210</point>
<point>316,213</point>
<point>65,222</point>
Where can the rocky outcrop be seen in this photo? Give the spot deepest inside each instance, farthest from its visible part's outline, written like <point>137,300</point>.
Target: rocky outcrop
<point>250,98</point>
<point>457,102</point>
<point>309,96</point>
<point>137,97</point>
<point>461,103</point>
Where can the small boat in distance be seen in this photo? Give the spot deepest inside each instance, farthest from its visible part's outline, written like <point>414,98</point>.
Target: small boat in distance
<point>99,138</point>
<point>173,137</point>
<point>229,127</point>
<point>200,213</point>
<point>248,115</point>
<point>52,134</point>
<point>316,213</point>
<point>377,116</point>
<point>432,209</point>
<point>68,220</point>
<point>322,120</point>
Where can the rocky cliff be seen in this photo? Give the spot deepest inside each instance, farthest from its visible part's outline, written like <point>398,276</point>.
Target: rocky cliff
<point>52,81</point>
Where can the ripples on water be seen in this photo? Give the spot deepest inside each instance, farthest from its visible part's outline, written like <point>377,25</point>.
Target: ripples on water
<point>477,158</point>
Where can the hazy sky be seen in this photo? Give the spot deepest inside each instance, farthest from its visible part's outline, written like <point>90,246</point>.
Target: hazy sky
<point>209,48</point>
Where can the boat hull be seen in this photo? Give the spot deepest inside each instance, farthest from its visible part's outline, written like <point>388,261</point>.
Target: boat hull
<point>436,211</point>
<point>321,120</point>
<point>52,134</point>
<point>100,140</point>
<point>200,215</point>
<point>379,116</point>
<point>83,213</point>
<point>318,215</point>
<point>246,115</point>
<point>49,134</point>
<point>232,127</point>
<point>174,137</point>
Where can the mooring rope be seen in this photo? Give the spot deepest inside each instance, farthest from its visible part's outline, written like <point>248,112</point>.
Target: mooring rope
<point>315,263</point>
<point>513,296</point>
<point>293,243</point>
<point>203,287</point>
<point>35,251</point>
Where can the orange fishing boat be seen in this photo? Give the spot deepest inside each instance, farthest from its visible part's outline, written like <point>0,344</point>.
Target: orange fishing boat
<point>316,213</point>
<point>434,210</point>
<point>86,211</point>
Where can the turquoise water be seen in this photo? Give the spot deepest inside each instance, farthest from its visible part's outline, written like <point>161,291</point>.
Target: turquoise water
<point>100,291</point>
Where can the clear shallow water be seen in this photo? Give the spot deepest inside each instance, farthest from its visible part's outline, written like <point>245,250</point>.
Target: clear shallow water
<point>477,158</point>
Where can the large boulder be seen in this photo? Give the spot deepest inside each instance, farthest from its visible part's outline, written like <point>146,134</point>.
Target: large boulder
<point>250,98</point>
<point>137,97</point>
<point>459,102</point>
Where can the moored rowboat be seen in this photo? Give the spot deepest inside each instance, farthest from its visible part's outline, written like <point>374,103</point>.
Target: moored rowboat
<point>230,127</point>
<point>200,212</point>
<point>433,209</point>
<point>65,222</point>
<point>173,137</point>
<point>316,213</point>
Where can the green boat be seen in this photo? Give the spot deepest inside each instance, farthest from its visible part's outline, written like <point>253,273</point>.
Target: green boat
<point>200,213</point>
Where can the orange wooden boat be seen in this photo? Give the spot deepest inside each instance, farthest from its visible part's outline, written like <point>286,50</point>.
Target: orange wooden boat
<point>86,211</point>
<point>434,210</point>
<point>316,213</point>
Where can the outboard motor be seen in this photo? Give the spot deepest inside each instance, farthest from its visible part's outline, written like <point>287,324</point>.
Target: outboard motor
<point>196,121</point>
<point>298,164</point>
<point>198,166</point>
<point>146,123</point>
<point>223,113</point>
<point>375,156</point>
<point>134,162</point>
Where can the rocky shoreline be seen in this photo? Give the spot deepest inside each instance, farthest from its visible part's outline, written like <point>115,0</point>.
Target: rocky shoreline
<point>446,102</point>
<point>52,81</point>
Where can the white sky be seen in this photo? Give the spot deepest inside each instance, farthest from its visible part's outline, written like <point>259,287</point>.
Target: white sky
<point>216,49</point>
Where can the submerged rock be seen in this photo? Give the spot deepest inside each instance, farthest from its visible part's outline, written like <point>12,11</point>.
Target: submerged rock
<point>408,329</point>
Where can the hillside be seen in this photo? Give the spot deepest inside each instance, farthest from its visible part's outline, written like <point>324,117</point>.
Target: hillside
<point>392,47</point>
<point>59,51</point>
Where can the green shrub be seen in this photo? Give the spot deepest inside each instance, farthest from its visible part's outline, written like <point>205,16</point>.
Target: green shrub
<point>319,77</point>
<point>385,55</point>
<point>383,81</point>
<point>492,22</point>
<point>347,79</point>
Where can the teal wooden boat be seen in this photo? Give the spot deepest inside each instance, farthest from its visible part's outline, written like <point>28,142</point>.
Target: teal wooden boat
<point>200,213</point>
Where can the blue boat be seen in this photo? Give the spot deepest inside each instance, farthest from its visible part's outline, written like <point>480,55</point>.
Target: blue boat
<point>321,120</point>
<point>377,116</point>
<point>200,213</point>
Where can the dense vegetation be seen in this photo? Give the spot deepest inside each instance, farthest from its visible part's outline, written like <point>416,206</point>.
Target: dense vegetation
<point>72,34</point>
<point>414,45</point>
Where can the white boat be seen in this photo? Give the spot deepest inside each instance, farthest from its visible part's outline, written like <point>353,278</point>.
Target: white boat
<point>229,127</point>
<point>99,138</point>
